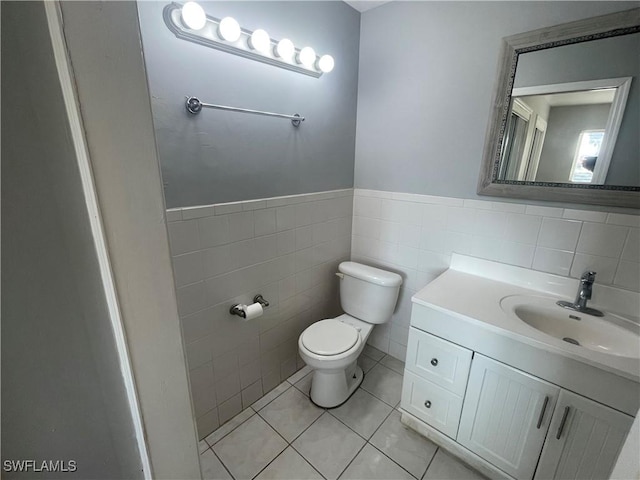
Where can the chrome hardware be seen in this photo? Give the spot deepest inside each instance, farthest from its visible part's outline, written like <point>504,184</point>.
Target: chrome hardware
<point>194,106</point>
<point>544,407</point>
<point>427,404</point>
<point>584,294</point>
<point>562,422</point>
<point>260,299</point>
<point>238,310</point>
<point>434,362</point>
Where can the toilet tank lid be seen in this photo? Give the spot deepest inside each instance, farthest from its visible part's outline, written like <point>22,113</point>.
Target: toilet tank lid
<point>370,274</point>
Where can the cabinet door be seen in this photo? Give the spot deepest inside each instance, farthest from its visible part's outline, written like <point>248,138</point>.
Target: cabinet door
<point>584,440</point>
<point>505,416</point>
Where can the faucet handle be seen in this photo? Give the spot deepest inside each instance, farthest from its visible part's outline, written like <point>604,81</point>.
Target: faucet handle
<point>588,277</point>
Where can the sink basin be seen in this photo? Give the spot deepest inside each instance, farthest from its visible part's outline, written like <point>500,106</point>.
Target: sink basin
<point>601,334</point>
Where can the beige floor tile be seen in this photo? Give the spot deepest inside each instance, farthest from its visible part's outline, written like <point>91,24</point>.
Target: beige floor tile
<point>372,464</point>
<point>289,466</point>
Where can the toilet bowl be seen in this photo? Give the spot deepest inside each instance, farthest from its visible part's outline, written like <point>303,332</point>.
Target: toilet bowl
<point>332,346</point>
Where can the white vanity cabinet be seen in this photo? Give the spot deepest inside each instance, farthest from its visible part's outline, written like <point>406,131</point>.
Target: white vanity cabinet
<point>583,441</point>
<point>506,416</point>
<point>521,425</point>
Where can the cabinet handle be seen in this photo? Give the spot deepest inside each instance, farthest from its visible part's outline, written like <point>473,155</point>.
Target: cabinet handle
<point>562,422</point>
<point>427,404</point>
<point>434,362</point>
<point>544,407</point>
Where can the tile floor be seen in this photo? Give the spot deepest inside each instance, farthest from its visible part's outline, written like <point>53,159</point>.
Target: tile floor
<point>285,436</point>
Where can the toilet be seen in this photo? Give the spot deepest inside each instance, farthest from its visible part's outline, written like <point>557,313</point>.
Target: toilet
<point>331,347</point>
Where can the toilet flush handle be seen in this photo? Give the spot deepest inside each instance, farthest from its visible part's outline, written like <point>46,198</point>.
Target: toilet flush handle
<point>340,275</point>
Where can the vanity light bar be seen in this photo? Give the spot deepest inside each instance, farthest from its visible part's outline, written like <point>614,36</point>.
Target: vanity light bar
<point>190,22</point>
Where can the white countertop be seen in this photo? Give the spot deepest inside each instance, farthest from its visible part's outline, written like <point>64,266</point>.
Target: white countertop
<point>472,289</point>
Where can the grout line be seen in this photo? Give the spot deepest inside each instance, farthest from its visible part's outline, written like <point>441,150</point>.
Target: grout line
<point>431,461</point>
<point>232,430</point>
<point>222,463</point>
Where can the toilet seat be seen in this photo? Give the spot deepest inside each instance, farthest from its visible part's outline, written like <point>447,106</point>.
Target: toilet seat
<point>329,337</point>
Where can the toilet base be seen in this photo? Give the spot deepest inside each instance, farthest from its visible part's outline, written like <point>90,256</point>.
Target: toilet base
<point>332,388</point>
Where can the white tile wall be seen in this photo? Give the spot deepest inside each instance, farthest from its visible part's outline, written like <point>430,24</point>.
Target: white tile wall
<point>286,248</point>
<point>414,235</point>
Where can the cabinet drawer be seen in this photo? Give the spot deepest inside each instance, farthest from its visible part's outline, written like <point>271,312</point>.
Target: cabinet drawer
<point>433,404</point>
<point>438,361</point>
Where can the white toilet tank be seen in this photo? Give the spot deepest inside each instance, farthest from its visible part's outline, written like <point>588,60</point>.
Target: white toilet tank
<point>368,293</point>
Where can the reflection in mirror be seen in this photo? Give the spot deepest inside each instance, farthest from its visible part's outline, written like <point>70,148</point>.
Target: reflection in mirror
<point>564,133</point>
<point>565,118</point>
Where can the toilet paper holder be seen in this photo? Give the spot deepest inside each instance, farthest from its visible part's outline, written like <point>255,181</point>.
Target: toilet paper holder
<point>238,310</point>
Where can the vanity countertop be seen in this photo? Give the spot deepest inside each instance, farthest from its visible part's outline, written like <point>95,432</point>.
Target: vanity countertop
<point>471,290</point>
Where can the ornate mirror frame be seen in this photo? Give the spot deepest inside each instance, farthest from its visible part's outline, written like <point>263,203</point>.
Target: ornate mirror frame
<point>619,23</point>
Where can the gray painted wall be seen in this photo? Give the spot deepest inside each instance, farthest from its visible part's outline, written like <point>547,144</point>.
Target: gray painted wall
<point>563,131</point>
<point>424,92</point>
<point>607,58</point>
<point>63,396</point>
<point>223,156</point>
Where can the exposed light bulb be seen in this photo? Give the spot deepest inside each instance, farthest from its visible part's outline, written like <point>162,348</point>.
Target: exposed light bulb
<point>193,16</point>
<point>229,29</point>
<point>260,41</point>
<point>326,63</point>
<point>307,57</point>
<point>285,49</point>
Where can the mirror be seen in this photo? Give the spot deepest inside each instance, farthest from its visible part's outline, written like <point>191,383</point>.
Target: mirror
<point>566,119</point>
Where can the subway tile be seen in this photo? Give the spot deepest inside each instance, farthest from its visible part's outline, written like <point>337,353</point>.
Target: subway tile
<point>624,219</point>
<point>490,223</point>
<point>265,222</point>
<point>389,232</point>
<point>518,254</point>
<point>434,217</point>
<point>191,298</point>
<point>188,268</point>
<point>552,261</point>
<point>522,228</point>
<point>201,377</point>
<point>605,267</point>
<point>559,234</point>
<point>477,204</point>
<point>486,247</point>
<point>628,275</point>
<point>183,237</point>
<point>227,208</point>
<point>214,231</point>
<point>207,423</point>
<point>433,239</point>
<point>197,325</point>
<point>254,205</point>
<point>204,399</point>
<point>304,237</point>
<point>552,212</point>
<point>304,214</point>
<point>198,352</point>
<point>585,215</point>
<point>219,260</point>
<point>405,213</point>
<point>230,408</point>
<point>240,226</point>
<point>251,394</point>
<point>508,207</point>
<point>227,387</point>
<point>367,206</point>
<point>631,250</point>
<point>285,218</point>
<point>461,220</point>
<point>461,243</point>
<point>602,239</point>
<point>189,213</point>
<point>174,215</point>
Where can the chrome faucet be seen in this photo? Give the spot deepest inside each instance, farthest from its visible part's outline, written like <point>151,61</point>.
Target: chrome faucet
<point>585,290</point>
